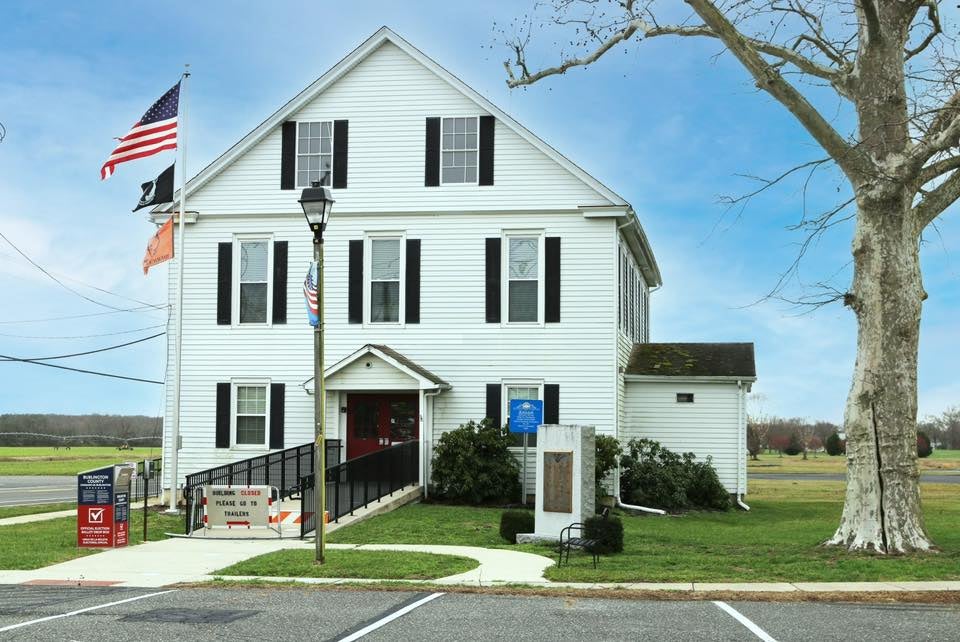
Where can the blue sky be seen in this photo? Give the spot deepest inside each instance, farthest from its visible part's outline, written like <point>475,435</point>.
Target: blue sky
<point>664,123</point>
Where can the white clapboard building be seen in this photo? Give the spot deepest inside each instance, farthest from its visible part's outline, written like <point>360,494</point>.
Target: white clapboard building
<point>467,263</point>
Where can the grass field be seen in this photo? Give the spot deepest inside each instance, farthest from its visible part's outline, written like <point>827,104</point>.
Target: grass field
<point>16,511</point>
<point>940,461</point>
<point>37,544</point>
<point>778,540</point>
<point>390,565</point>
<point>30,460</point>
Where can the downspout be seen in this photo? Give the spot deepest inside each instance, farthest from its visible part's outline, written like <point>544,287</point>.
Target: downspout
<point>741,438</point>
<point>642,509</point>
<point>428,411</point>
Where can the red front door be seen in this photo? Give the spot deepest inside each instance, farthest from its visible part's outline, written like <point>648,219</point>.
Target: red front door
<point>376,421</point>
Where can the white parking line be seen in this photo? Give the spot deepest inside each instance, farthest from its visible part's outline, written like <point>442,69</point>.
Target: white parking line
<point>387,619</point>
<point>78,611</point>
<point>744,620</point>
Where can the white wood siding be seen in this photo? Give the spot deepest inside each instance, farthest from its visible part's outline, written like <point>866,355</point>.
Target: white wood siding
<point>706,427</point>
<point>453,340</point>
<point>379,376</point>
<point>387,98</point>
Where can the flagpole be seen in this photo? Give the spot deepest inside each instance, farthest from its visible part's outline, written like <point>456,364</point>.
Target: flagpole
<point>180,256</point>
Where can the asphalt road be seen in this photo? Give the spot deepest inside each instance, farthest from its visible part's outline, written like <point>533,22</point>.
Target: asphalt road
<point>70,613</point>
<point>26,490</point>
<point>925,478</point>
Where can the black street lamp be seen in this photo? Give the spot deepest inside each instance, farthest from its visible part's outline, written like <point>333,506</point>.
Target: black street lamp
<point>317,205</point>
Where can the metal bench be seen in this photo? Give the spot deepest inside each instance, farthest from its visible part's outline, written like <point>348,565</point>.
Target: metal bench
<point>589,545</point>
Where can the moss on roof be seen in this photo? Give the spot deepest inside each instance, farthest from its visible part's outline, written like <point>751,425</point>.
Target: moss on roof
<point>692,360</point>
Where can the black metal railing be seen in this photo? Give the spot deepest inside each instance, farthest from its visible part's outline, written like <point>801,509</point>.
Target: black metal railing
<point>283,469</point>
<point>357,482</point>
<point>153,486</point>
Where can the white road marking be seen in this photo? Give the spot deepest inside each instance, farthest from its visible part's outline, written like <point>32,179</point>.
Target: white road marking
<point>387,619</point>
<point>78,611</point>
<point>35,489</point>
<point>744,620</point>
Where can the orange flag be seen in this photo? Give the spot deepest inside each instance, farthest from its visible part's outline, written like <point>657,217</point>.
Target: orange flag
<point>160,247</point>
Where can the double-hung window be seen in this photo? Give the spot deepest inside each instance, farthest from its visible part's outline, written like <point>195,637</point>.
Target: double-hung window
<point>253,258</point>
<point>250,414</point>
<point>459,150</point>
<point>314,153</point>
<point>386,270</point>
<point>524,283</point>
<point>525,391</point>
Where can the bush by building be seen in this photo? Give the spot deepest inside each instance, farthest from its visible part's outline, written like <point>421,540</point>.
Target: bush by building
<point>607,531</point>
<point>608,452</point>
<point>473,464</point>
<point>651,475</point>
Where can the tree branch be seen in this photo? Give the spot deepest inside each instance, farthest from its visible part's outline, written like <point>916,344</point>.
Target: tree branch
<point>933,15</point>
<point>937,169</point>
<point>936,201</point>
<point>942,134</point>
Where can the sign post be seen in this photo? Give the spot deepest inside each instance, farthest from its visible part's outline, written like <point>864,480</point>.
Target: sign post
<point>525,416</point>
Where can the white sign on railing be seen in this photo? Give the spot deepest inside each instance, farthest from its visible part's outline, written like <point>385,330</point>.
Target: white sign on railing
<point>237,506</point>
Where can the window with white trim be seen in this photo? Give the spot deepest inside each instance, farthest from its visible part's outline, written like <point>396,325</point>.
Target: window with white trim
<point>526,391</point>
<point>385,280</point>
<point>459,150</point>
<point>250,417</point>
<point>253,261</point>
<point>524,283</point>
<point>634,300</point>
<point>314,153</point>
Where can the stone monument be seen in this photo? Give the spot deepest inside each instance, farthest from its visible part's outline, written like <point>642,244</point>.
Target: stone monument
<point>565,480</point>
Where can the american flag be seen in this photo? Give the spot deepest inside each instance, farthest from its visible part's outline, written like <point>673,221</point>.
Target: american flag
<point>310,295</point>
<point>153,133</point>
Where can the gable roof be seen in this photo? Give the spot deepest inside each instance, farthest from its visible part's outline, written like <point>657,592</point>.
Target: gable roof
<point>371,44</point>
<point>692,360</point>
<point>412,369</point>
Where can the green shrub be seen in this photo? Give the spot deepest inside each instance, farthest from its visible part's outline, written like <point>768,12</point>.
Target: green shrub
<point>924,449</point>
<point>608,451</point>
<point>835,446</point>
<point>651,475</point>
<point>608,531</point>
<point>473,464</point>
<point>515,521</point>
<point>795,447</point>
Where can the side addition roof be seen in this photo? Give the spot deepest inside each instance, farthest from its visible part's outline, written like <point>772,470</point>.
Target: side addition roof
<point>727,360</point>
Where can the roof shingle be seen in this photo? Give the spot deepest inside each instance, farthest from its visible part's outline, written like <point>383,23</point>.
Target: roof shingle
<point>692,360</point>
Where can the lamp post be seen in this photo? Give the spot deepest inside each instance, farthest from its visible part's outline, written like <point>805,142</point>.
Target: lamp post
<point>317,204</point>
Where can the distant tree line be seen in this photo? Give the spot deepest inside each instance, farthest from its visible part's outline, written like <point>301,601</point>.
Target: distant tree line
<point>79,430</point>
<point>943,429</point>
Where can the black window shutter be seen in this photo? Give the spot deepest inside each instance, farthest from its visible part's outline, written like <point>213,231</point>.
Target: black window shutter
<point>288,155</point>
<point>355,284</point>
<point>280,281</point>
<point>551,403</point>
<point>412,305</point>
<point>224,283</point>
<point>276,415</point>
<point>494,408</point>
<point>487,128</point>
<point>431,174</point>
<point>551,286</point>
<point>223,415</point>
<point>493,280</point>
<point>340,138</point>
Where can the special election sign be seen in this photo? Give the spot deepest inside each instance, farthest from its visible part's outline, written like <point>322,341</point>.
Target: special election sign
<point>237,506</point>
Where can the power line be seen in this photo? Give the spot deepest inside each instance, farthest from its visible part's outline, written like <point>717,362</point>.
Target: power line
<point>92,372</point>
<point>84,336</point>
<point>80,354</point>
<point>76,316</point>
<point>68,288</point>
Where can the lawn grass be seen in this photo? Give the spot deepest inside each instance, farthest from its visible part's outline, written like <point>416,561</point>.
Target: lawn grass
<point>38,544</point>
<point>390,565</point>
<point>939,461</point>
<point>16,511</point>
<point>44,460</point>
<point>778,540</point>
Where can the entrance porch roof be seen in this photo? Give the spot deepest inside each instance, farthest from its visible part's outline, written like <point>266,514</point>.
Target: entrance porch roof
<point>422,378</point>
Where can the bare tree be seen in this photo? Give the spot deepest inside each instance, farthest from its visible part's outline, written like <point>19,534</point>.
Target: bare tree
<point>890,66</point>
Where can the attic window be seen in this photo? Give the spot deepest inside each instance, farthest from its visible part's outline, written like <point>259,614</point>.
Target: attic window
<point>684,397</point>
<point>314,153</point>
<point>458,159</point>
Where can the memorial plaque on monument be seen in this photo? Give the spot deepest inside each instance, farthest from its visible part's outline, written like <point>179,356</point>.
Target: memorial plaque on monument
<point>558,482</point>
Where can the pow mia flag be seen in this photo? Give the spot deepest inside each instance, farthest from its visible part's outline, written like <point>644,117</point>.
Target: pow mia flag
<point>159,190</point>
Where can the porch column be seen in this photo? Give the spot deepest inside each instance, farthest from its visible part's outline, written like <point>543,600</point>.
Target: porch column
<point>424,427</point>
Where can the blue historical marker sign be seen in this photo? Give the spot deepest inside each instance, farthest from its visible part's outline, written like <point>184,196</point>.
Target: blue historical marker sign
<point>525,415</point>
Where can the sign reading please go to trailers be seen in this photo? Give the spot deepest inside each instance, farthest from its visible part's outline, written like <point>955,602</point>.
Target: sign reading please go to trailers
<point>237,506</point>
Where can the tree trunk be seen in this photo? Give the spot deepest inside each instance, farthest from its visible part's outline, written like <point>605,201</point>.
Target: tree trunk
<point>882,506</point>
